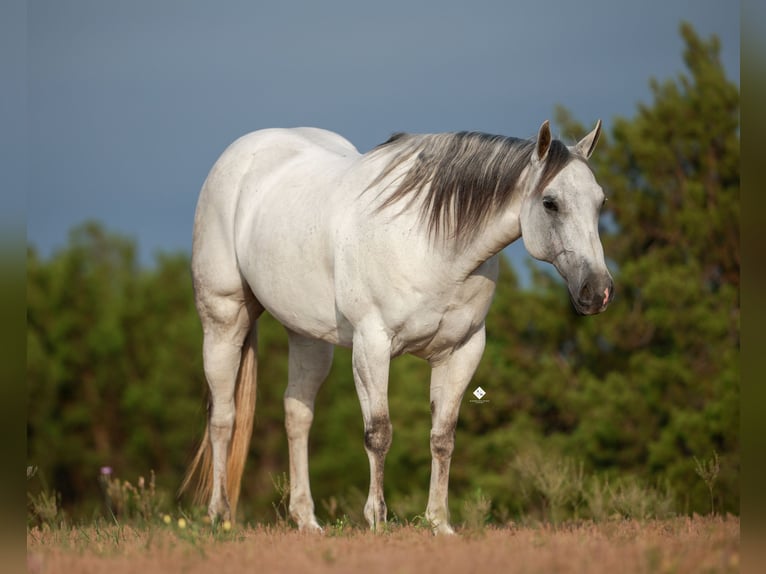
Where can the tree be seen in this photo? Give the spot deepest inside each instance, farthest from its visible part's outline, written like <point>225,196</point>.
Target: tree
<point>113,365</point>
<point>671,340</point>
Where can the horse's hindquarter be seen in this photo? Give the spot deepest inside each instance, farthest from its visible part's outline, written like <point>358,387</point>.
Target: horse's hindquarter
<point>289,199</point>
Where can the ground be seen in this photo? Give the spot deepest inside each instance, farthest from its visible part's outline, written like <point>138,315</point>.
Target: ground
<point>687,544</point>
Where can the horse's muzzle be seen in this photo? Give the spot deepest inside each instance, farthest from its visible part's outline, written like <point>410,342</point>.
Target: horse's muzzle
<point>593,296</point>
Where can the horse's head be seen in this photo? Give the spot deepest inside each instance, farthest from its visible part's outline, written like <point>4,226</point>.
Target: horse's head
<point>559,218</point>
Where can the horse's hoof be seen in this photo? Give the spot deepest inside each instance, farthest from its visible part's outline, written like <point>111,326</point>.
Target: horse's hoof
<point>444,530</point>
<point>311,527</point>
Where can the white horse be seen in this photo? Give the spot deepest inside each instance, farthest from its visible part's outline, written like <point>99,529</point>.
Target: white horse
<point>390,252</point>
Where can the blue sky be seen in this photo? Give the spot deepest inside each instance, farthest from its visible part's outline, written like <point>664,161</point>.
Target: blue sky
<point>128,104</point>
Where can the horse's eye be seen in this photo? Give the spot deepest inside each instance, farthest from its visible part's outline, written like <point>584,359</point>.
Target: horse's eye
<point>550,204</point>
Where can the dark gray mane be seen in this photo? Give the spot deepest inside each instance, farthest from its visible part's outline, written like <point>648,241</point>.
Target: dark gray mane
<point>465,176</point>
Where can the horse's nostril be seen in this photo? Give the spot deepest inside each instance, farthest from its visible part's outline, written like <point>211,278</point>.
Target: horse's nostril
<point>596,295</point>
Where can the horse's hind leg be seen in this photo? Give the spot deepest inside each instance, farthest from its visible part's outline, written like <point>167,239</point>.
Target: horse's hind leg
<point>226,322</point>
<point>309,363</point>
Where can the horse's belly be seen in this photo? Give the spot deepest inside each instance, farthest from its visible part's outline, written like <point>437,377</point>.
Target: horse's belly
<point>292,279</point>
<point>303,304</point>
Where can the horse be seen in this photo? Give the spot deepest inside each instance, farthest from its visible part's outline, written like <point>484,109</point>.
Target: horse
<point>388,252</point>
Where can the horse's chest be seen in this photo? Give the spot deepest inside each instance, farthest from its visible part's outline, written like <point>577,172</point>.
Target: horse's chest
<point>441,325</point>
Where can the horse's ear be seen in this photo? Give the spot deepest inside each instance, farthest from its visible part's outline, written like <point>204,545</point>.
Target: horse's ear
<point>543,141</point>
<point>587,144</point>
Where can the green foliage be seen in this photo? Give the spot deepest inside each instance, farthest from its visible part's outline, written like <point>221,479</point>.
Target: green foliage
<point>476,512</point>
<point>43,505</point>
<point>340,527</point>
<point>557,489</point>
<point>708,471</point>
<point>44,509</point>
<point>558,481</point>
<point>282,505</point>
<point>141,503</point>
<point>584,417</point>
<point>114,372</point>
<point>662,381</point>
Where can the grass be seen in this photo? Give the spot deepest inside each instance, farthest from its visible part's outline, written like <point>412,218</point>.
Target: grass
<point>476,512</point>
<point>557,489</point>
<point>549,489</point>
<point>630,527</point>
<point>282,506</point>
<point>708,471</point>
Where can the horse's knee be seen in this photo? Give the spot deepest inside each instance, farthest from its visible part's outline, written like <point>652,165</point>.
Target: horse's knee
<point>443,443</point>
<point>377,437</point>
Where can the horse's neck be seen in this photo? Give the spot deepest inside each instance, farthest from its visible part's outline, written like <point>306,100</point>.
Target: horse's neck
<point>488,244</point>
<point>499,232</point>
<point>462,256</point>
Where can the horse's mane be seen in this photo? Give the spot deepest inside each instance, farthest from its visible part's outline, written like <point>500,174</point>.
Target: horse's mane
<point>465,176</point>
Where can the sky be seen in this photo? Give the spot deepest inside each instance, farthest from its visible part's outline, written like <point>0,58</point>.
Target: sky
<point>129,104</point>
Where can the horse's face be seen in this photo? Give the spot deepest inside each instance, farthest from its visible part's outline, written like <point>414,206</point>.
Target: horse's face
<point>559,225</point>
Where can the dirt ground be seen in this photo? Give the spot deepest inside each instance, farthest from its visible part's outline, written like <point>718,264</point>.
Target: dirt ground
<point>698,544</point>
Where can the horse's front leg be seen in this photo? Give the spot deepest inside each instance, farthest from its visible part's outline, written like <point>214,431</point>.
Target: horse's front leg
<point>449,380</point>
<point>370,358</point>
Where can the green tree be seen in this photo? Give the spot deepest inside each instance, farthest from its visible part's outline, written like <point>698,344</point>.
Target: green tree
<point>77,306</point>
<point>664,380</point>
<point>114,371</point>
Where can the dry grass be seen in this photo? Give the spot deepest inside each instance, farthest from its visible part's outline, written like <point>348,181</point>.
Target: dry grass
<point>698,544</point>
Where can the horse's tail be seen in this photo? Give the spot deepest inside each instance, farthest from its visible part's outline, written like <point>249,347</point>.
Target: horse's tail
<point>244,404</point>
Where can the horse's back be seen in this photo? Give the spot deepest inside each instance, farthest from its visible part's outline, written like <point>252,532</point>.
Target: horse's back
<point>329,140</point>
<point>290,141</point>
